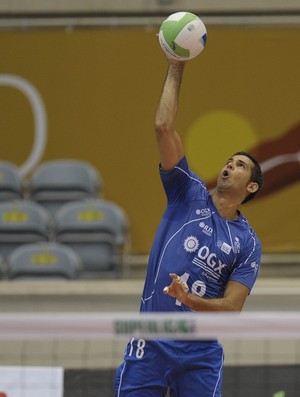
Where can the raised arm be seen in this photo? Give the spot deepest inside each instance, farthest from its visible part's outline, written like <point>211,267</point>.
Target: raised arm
<point>169,142</point>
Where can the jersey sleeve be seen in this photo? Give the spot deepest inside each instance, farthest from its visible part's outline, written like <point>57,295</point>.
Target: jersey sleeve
<point>248,265</point>
<point>181,184</point>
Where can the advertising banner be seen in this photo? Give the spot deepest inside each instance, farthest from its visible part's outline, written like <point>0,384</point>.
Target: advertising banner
<point>31,382</point>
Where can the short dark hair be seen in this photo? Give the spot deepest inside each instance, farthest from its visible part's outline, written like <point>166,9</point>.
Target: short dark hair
<point>256,175</point>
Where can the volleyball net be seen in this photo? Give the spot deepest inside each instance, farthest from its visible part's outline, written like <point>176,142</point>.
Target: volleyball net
<point>79,352</point>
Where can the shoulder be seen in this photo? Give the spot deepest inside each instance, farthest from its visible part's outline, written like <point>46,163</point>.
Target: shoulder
<point>183,171</point>
<point>250,235</point>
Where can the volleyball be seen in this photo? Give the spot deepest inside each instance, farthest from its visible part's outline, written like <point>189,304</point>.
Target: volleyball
<point>182,36</point>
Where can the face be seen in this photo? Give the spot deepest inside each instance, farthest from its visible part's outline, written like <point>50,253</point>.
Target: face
<point>236,176</point>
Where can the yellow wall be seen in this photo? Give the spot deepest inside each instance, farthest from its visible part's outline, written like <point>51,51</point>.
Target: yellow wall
<point>100,88</point>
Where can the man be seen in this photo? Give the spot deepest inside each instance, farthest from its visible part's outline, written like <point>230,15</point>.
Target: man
<point>205,257</point>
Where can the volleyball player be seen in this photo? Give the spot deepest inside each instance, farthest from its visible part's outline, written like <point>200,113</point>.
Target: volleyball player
<point>205,257</point>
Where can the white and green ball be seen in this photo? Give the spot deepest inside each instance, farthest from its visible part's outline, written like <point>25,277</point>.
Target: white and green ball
<point>182,36</point>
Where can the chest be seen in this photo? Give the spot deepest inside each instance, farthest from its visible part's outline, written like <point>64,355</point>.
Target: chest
<point>200,233</point>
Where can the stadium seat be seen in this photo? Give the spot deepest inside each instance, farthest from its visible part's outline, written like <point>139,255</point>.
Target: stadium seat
<point>2,268</point>
<point>45,261</point>
<point>98,230</point>
<point>11,182</point>
<point>22,222</point>
<point>57,182</point>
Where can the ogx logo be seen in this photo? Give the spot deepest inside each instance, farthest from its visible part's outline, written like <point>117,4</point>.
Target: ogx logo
<point>203,211</point>
<point>210,259</point>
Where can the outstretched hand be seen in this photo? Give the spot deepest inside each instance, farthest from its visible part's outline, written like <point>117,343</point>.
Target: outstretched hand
<point>177,289</point>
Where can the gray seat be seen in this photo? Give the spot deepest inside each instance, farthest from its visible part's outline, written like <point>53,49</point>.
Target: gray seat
<point>43,260</point>
<point>11,182</point>
<point>57,182</point>
<point>2,268</point>
<point>22,222</point>
<point>98,230</point>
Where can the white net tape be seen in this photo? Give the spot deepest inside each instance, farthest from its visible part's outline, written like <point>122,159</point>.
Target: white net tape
<point>258,325</point>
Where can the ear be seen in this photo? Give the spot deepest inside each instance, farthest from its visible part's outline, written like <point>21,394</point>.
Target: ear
<point>252,187</point>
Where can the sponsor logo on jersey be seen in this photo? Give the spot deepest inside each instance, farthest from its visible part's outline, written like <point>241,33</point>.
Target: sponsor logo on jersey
<point>254,266</point>
<point>191,244</point>
<point>206,229</point>
<point>237,245</point>
<point>203,211</point>
<point>209,262</point>
<point>224,247</point>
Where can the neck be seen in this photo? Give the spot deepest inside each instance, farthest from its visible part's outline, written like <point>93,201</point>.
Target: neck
<point>227,207</point>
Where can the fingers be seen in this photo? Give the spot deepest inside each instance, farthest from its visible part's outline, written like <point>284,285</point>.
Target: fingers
<point>166,290</point>
<point>184,286</point>
<point>177,280</point>
<point>175,277</point>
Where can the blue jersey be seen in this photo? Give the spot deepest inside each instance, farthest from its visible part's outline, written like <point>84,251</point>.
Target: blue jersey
<point>196,243</point>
